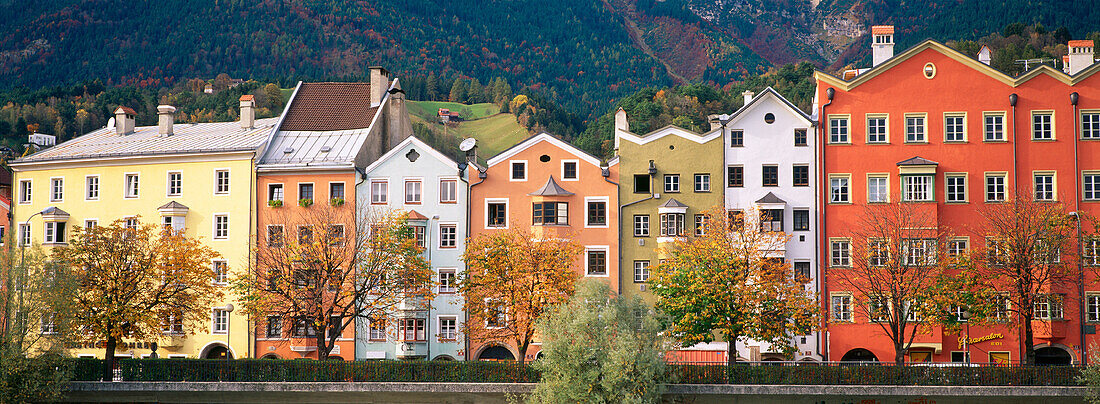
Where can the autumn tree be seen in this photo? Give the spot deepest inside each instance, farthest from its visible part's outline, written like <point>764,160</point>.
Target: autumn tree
<point>1029,257</point>
<point>127,280</point>
<point>729,280</point>
<point>898,269</point>
<point>335,267</point>
<point>512,276</point>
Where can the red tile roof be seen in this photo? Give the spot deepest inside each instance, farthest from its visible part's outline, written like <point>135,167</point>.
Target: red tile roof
<point>328,107</point>
<point>248,97</point>
<point>414,215</point>
<point>125,109</point>
<point>882,30</point>
<point>1081,42</point>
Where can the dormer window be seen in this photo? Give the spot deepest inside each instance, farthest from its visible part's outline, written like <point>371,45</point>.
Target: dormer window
<point>550,213</point>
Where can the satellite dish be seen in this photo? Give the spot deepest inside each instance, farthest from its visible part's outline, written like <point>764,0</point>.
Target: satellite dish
<point>467,144</point>
<point>111,122</point>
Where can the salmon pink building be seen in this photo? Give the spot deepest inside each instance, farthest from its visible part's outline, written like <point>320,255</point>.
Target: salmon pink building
<point>948,133</point>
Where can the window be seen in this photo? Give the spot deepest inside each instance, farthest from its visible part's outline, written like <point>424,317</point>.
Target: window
<point>771,220</point>
<point>132,185</point>
<point>57,189</point>
<point>771,176</point>
<point>914,129</point>
<point>597,213</point>
<point>221,182</point>
<point>878,189</point>
<point>496,316</point>
<point>1044,186</point>
<point>1091,184</point>
<point>25,234</point>
<point>597,263</point>
<point>411,329</point>
<point>91,187</point>
<point>877,252</point>
<point>274,327</point>
<point>497,215</point>
<point>412,192</point>
<point>838,130</point>
<point>448,328</point>
<point>221,321</point>
<point>994,187</point>
<point>379,192</point>
<point>305,191</point>
<point>838,190</point>
<point>1090,125</point>
<point>800,138</point>
<point>303,327</point>
<point>275,237</point>
<point>994,127</point>
<point>221,272</point>
<point>377,330</point>
<point>448,235</point>
<point>958,247</point>
<point>840,253</point>
<point>172,324</point>
<point>1048,307</point>
<point>1042,127</point>
<point>700,225</point>
<point>568,170</point>
<point>917,188</point>
<point>735,177</point>
<point>90,223</point>
<point>672,182</point>
<point>175,183</point>
<point>954,128</point>
<point>737,138</point>
<point>447,281</point>
<point>955,188</point>
<point>24,191</point>
<point>876,129</point>
<point>736,219</point>
<point>801,219</point>
<point>702,182</point>
<point>641,225</point>
<point>519,171</point>
<point>802,269</point>
<point>641,271</point>
<point>131,223</point>
<point>275,192</point>
<point>47,326</point>
<point>221,226</point>
<point>996,251</point>
<point>918,252</point>
<point>1092,252</point>
<point>55,233</point>
<point>672,224</point>
<point>335,190</point>
<point>1092,307</point>
<point>641,184</point>
<point>550,213</point>
<point>841,308</point>
<point>448,191</point>
<point>878,308</point>
<point>801,174</point>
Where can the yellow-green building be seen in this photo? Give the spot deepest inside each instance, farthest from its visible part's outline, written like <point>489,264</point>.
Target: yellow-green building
<point>668,179</point>
<point>195,177</point>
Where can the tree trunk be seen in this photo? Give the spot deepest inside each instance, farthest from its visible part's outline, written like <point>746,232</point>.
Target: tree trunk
<point>109,359</point>
<point>1029,343</point>
<point>731,357</point>
<point>522,356</point>
<point>322,344</point>
<point>899,353</point>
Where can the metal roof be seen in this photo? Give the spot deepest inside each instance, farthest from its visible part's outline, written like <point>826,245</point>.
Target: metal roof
<point>771,198</point>
<point>673,203</point>
<point>917,161</point>
<point>146,140</point>
<point>551,189</point>
<point>298,147</point>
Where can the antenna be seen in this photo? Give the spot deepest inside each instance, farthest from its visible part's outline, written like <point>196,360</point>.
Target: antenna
<point>469,145</point>
<point>111,122</point>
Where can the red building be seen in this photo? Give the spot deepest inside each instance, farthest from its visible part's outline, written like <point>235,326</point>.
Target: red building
<point>974,134</point>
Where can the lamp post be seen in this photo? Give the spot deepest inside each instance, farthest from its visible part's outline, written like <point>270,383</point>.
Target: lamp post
<point>228,324</point>
<point>966,317</point>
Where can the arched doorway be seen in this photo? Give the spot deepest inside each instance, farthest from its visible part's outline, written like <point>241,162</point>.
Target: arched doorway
<point>859,355</point>
<point>496,353</point>
<point>1052,356</point>
<point>217,352</point>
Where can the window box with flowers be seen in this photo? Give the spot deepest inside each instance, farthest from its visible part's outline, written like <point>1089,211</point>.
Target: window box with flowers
<point>305,202</point>
<point>337,202</point>
<point>275,203</point>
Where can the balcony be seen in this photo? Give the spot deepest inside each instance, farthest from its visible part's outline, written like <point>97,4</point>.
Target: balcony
<point>1049,329</point>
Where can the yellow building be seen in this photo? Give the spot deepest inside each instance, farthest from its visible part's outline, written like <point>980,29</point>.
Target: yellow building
<point>196,177</point>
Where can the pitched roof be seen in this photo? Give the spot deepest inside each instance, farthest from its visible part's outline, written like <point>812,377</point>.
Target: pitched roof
<point>882,29</point>
<point>125,109</point>
<point>1081,42</point>
<point>172,205</point>
<point>770,92</point>
<point>771,198</point>
<point>329,107</point>
<point>416,143</point>
<point>54,211</point>
<point>187,138</point>
<point>414,215</point>
<point>551,189</point>
<point>917,161</point>
<point>673,203</point>
<point>538,138</point>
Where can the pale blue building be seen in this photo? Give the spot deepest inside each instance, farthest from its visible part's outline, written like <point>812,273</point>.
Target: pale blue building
<point>414,178</point>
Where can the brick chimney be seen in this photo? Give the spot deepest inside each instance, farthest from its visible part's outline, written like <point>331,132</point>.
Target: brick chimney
<point>379,84</point>
<point>167,120</point>
<point>882,43</point>
<point>248,111</point>
<point>748,96</point>
<point>1080,56</point>
<point>124,120</point>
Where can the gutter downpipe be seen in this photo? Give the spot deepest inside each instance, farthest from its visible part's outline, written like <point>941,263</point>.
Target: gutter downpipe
<point>355,216</point>
<point>481,175</point>
<point>606,173</point>
<point>823,346</point>
<point>1073,99</point>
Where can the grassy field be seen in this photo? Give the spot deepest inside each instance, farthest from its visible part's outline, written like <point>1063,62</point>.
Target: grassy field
<point>427,110</point>
<point>493,134</point>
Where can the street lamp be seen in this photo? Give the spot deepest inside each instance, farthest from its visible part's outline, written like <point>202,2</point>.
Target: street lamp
<point>228,323</point>
<point>1080,288</point>
<point>966,317</point>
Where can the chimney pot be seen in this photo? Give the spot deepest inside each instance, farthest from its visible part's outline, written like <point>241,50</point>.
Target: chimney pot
<point>882,43</point>
<point>248,111</point>
<point>167,119</point>
<point>379,84</point>
<point>1081,56</point>
<point>124,120</point>
<point>748,96</point>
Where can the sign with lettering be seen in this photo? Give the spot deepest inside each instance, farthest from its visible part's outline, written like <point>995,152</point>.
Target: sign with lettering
<point>975,340</point>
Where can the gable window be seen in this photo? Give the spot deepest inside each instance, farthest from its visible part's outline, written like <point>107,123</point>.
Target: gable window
<point>305,191</point>
<point>771,176</point>
<point>955,187</point>
<point>838,130</point>
<point>641,271</point>
<point>335,190</point>
<point>672,224</point>
<point>641,225</point>
<point>1044,186</point>
<point>597,213</point>
<point>702,182</point>
<point>597,263</point>
<point>1090,125</point>
<point>878,189</point>
<point>954,128</point>
<point>1042,126</point>
<point>914,129</point>
<point>519,171</point>
<point>801,219</point>
<point>448,191</point>
<point>737,138</point>
<point>221,226</point>
<point>132,185</point>
<point>448,235</point>
<point>801,174</point>
<point>641,184</point>
<point>379,192</point>
<point>994,127</point>
<point>876,129</point>
<point>800,138</point>
<point>91,187</point>
<point>412,192</point>
<point>569,170</point>
<point>672,182</point>
<point>550,213</point>
<point>838,190</point>
<point>497,214</point>
<point>995,188</point>
<point>275,192</point>
<point>221,182</point>
<point>175,183</point>
<point>917,188</point>
<point>735,176</point>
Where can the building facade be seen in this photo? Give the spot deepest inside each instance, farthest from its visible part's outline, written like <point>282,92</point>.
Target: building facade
<point>415,179</point>
<point>948,135</point>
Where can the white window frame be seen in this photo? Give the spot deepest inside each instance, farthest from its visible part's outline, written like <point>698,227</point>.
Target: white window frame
<point>1090,130</point>
<point>648,225</point>
<point>947,116</point>
<point>126,185</point>
<point>701,179</point>
<point>26,192</point>
<point>952,243</point>
<point>25,236</point>
<point>439,235</point>
<point>214,321</point>
<point>1092,307</point>
<point>606,260</point>
<point>454,184</point>
<point>885,128</point>
<point>846,301</point>
<point>1049,195</point>
<point>1004,186</point>
<point>330,184</point>
<point>298,189</point>
<point>50,233</point>
<point>918,188</point>
<point>998,127</point>
<point>840,129</point>
<point>884,180</point>
<point>279,185</point>
<point>507,212</point>
<point>947,187</point>
<point>168,184</point>
<point>1049,114</point>
<point>606,212</point>
<point>454,278</point>
<point>641,271</point>
<point>453,336</point>
<point>1090,191</point>
<point>846,196</point>
<point>228,181</point>
<point>224,276</point>
<point>511,170</point>
<point>911,137</point>
<point>88,187</point>
<point>577,164</point>
<point>214,229</point>
<point>838,261</point>
<point>57,195</point>
<point>384,195</point>
<point>675,183</point>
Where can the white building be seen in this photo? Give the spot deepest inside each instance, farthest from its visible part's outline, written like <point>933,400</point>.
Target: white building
<point>769,155</point>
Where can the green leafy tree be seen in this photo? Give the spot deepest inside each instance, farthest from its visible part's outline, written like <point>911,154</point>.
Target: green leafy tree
<point>599,347</point>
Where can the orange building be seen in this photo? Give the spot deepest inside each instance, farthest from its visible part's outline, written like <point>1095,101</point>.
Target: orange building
<point>558,190</point>
<point>940,129</point>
